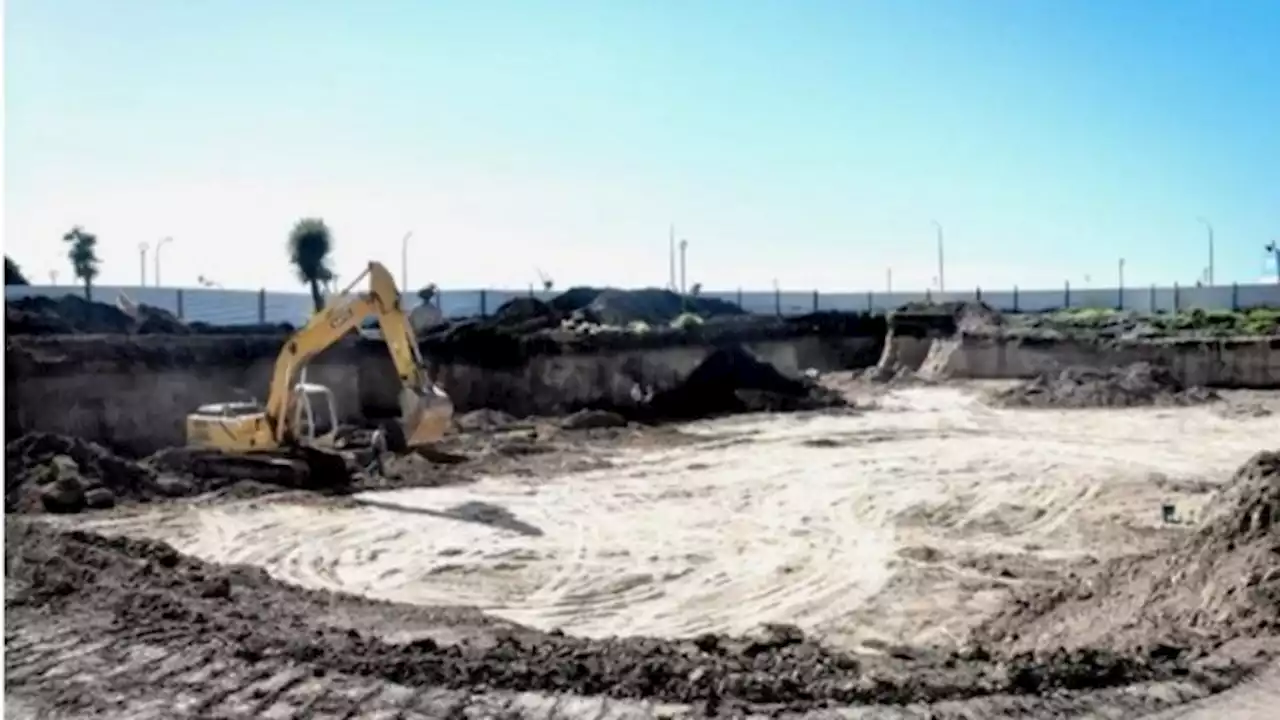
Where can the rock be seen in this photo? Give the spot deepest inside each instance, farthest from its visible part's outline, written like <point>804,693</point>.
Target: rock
<point>174,486</point>
<point>99,498</point>
<point>64,495</point>
<point>588,419</point>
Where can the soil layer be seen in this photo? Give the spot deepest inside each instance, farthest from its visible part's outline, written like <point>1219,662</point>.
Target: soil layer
<point>219,615</point>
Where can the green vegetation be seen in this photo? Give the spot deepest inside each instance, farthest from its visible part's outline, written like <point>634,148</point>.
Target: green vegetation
<point>83,254</point>
<point>310,245</point>
<point>1255,321</point>
<point>13,274</point>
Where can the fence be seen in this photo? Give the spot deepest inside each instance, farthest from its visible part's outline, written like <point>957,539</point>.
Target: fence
<point>246,307</point>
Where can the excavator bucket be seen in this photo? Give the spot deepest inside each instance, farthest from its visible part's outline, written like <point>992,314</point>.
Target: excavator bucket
<point>425,415</point>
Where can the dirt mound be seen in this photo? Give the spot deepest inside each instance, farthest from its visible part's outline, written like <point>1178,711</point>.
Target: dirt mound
<point>967,317</point>
<point>732,380</point>
<point>651,305</point>
<point>1219,584</point>
<point>73,315</point>
<point>64,474</point>
<point>241,616</point>
<point>1139,384</point>
<point>70,314</point>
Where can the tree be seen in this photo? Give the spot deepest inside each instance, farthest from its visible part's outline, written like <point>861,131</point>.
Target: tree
<point>310,244</point>
<point>83,254</point>
<point>12,273</point>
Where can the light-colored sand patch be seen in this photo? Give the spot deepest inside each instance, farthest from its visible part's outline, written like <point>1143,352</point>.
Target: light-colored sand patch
<point>818,521</point>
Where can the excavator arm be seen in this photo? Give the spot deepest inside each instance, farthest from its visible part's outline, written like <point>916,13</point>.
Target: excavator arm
<point>425,410</point>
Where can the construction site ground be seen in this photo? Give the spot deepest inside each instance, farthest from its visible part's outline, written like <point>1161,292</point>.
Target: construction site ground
<point>719,567</point>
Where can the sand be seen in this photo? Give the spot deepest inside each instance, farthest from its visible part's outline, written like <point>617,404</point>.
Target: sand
<point>907,524</point>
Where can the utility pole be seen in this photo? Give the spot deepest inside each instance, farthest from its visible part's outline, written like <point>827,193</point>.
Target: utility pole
<point>684,246</point>
<point>1209,227</point>
<point>1121,268</point>
<point>142,262</point>
<point>404,262</point>
<point>888,280</point>
<point>159,245</point>
<point>942,277</point>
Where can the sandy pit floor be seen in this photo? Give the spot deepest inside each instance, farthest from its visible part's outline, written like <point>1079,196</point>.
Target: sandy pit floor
<point>902,524</point>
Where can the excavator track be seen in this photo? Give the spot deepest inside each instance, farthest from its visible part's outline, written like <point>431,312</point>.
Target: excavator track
<point>301,468</point>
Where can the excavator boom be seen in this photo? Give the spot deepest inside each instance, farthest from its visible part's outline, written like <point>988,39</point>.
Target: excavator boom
<point>298,427</point>
<point>425,410</point>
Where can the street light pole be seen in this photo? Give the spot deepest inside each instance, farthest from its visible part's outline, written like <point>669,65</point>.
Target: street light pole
<point>684,246</point>
<point>157,258</point>
<point>1209,227</point>
<point>404,262</point>
<point>942,278</point>
<point>888,280</point>
<point>142,261</point>
<point>1274,248</point>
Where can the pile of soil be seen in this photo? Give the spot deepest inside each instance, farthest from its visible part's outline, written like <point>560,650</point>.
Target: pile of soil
<point>652,306</point>
<point>946,319</point>
<point>66,475</point>
<point>1221,583</point>
<point>729,381</point>
<point>1139,384</point>
<point>241,616</point>
<point>72,314</point>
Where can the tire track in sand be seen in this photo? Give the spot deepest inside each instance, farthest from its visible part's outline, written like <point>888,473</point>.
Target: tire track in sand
<point>724,535</point>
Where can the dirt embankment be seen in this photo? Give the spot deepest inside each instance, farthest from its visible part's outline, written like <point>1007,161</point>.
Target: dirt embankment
<point>73,315</point>
<point>1220,584</point>
<point>1139,384</point>
<point>241,616</point>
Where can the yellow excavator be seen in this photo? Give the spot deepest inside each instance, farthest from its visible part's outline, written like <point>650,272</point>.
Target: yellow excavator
<point>295,438</point>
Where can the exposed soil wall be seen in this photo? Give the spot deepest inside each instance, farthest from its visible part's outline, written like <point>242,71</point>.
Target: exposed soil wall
<point>971,344</point>
<point>1223,363</point>
<point>132,393</point>
<point>556,383</point>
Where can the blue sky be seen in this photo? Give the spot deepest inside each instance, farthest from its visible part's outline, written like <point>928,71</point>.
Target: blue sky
<point>813,142</point>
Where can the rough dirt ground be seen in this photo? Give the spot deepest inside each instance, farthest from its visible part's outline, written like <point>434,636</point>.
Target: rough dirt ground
<point>907,524</point>
<point>866,527</point>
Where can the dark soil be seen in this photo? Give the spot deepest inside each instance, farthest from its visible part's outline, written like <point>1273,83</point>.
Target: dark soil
<point>73,315</point>
<point>945,319</point>
<point>731,380</point>
<point>1139,384</point>
<point>1219,584</point>
<point>63,474</point>
<point>240,615</point>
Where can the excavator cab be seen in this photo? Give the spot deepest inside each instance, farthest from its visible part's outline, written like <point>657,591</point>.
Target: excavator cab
<point>315,414</point>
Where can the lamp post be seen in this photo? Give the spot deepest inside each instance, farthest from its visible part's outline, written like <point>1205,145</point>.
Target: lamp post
<point>142,261</point>
<point>888,280</point>
<point>942,277</point>
<point>684,246</point>
<point>1273,247</point>
<point>404,261</point>
<point>1209,228</point>
<point>159,245</point>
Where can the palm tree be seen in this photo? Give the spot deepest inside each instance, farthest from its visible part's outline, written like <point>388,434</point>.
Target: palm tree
<point>310,244</point>
<point>12,273</point>
<point>84,257</point>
